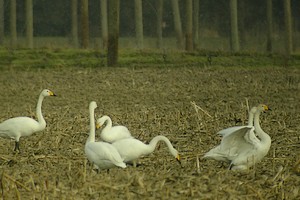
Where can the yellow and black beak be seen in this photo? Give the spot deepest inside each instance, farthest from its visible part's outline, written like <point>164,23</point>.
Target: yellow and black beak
<point>51,93</point>
<point>266,108</point>
<point>178,159</point>
<point>98,125</point>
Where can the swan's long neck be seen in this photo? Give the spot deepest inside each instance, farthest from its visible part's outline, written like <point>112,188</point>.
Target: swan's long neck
<point>91,137</point>
<point>264,137</point>
<point>39,114</point>
<point>250,119</point>
<point>108,122</point>
<point>156,139</point>
<point>251,116</point>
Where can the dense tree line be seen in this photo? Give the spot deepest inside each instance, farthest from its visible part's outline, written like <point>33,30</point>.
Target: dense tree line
<point>53,18</point>
<point>213,17</point>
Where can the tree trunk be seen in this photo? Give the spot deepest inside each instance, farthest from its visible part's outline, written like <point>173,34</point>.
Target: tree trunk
<point>269,26</point>
<point>139,23</point>
<point>159,9</point>
<point>13,24</point>
<point>104,30</point>
<point>29,24</point>
<point>177,23</point>
<point>113,32</point>
<point>189,25</point>
<point>288,26</point>
<point>1,22</point>
<point>74,6</point>
<point>234,26</point>
<point>196,24</point>
<point>84,23</point>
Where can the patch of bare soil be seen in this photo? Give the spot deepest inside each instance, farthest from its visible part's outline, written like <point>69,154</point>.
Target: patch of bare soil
<point>150,102</point>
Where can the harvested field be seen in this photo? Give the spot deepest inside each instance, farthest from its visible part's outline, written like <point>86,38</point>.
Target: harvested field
<point>150,102</point>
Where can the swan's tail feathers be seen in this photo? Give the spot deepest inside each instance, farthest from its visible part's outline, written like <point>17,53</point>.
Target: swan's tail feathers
<point>122,165</point>
<point>216,154</point>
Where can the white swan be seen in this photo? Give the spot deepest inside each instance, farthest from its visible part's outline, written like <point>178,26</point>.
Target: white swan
<point>131,149</point>
<point>25,126</point>
<point>236,128</point>
<point>112,133</point>
<point>102,154</point>
<point>242,148</point>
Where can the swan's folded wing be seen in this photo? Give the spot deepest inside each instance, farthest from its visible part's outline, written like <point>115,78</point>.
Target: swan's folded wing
<point>229,130</point>
<point>105,151</point>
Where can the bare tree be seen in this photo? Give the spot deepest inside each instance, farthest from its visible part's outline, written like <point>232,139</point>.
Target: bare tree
<point>269,26</point>
<point>159,20</point>
<point>177,23</point>
<point>113,32</point>
<point>13,24</point>
<point>84,23</point>
<point>189,25</point>
<point>74,31</point>
<point>1,22</point>
<point>104,23</point>
<point>288,26</point>
<point>235,46</point>
<point>196,23</point>
<point>139,23</point>
<point>29,24</point>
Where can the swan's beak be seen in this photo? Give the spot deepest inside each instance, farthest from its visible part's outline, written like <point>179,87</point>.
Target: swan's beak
<point>98,126</point>
<point>178,159</point>
<point>266,108</point>
<point>51,93</point>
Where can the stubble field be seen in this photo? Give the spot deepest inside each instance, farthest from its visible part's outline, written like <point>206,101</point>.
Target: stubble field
<point>186,104</point>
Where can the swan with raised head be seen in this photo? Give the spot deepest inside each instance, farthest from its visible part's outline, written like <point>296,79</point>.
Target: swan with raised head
<point>242,148</point>
<point>101,154</point>
<point>236,128</point>
<point>25,126</point>
<point>112,133</point>
<point>132,149</point>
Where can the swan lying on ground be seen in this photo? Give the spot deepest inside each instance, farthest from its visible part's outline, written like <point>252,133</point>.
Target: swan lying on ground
<point>242,148</point>
<point>101,154</point>
<point>25,126</point>
<point>112,133</point>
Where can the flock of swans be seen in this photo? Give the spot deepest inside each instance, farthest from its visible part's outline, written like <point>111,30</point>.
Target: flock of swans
<point>241,146</point>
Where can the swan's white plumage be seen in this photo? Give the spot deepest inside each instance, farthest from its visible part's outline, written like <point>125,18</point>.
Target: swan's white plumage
<point>102,154</point>
<point>112,133</point>
<point>24,126</point>
<point>131,149</point>
<point>242,148</point>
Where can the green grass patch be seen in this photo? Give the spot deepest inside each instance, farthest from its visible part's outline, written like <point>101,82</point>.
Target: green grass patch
<point>56,58</point>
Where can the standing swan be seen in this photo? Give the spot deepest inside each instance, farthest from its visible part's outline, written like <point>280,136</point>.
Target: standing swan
<point>112,133</point>
<point>25,126</point>
<point>131,149</point>
<point>242,148</point>
<point>102,154</point>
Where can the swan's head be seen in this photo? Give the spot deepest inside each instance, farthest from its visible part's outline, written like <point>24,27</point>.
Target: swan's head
<point>93,105</point>
<point>262,108</point>
<point>47,92</point>
<point>100,122</point>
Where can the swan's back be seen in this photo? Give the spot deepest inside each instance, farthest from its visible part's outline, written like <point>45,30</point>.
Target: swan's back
<point>131,149</point>
<point>19,126</point>
<point>103,155</point>
<point>115,133</point>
